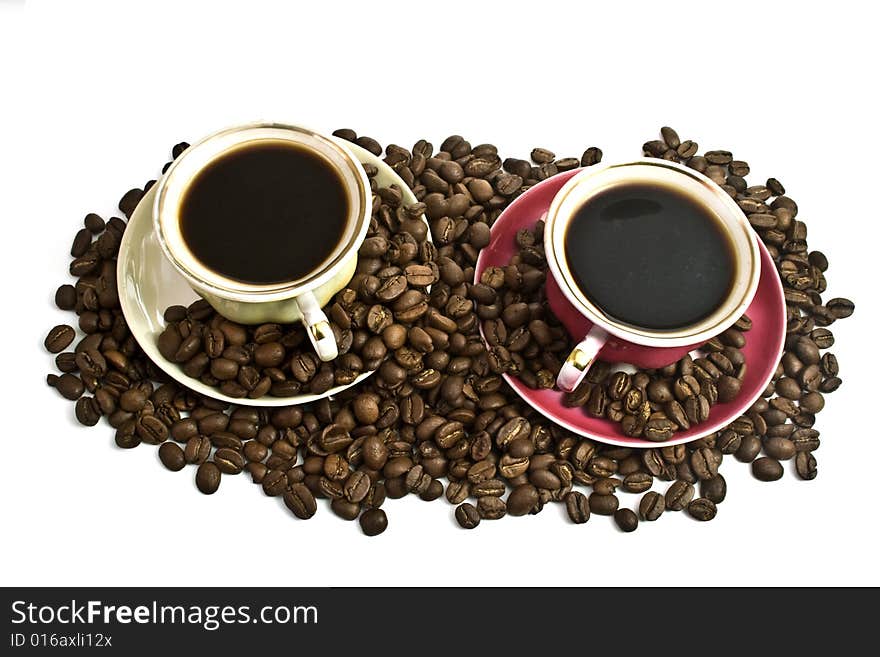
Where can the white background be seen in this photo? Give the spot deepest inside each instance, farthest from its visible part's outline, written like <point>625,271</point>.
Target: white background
<point>94,95</point>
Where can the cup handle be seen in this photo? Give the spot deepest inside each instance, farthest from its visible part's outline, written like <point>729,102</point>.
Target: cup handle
<point>576,366</point>
<point>317,326</point>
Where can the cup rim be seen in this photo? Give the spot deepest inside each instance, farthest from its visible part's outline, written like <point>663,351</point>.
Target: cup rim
<point>200,276</point>
<point>694,334</point>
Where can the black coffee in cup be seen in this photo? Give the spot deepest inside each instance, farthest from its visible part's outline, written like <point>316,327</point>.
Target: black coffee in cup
<point>650,255</point>
<point>265,212</point>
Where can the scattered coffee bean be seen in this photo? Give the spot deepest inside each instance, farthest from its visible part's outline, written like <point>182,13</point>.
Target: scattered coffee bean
<point>651,506</point>
<point>578,507</point>
<point>702,509</point>
<point>373,522</point>
<point>208,478</point>
<point>172,456</point>
<point>300,500</point>
<point>467,515</point>
<point>679,495</point>
<point>603,505</point>
<point>59,338</point>
<point>805,464</point>
<point>781,449</point>
<point>714,489</point>
<point>626,520</point>
<point>87,411</point>
<point>767,469</point>
<point>69,386</point>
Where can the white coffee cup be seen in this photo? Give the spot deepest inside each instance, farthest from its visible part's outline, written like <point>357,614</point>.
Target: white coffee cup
<point>288,301</point>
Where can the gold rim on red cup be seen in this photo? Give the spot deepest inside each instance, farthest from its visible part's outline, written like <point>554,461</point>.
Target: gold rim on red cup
<point>594,180</point>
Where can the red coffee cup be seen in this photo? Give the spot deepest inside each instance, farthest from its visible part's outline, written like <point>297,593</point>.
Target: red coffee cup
<point>608,337</point>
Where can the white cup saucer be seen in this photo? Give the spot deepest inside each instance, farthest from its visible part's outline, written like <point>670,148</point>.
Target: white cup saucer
<point>148,284</point>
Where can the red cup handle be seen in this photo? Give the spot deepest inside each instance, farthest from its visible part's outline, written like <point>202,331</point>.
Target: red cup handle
<point>578,363</point>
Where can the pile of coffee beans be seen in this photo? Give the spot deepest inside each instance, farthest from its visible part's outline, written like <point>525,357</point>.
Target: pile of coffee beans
<point>526,340</point>
<point>437,419</point>
<point>371,319</point>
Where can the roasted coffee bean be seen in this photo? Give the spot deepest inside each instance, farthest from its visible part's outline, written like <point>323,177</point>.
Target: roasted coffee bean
<point>812,402</point>
<point>697,409</point>
<point>81,242</point>
<point>491,508</point>
<point>59,338</point>
<point>840,308</point>
<point>591,156</point>
<point>467,515</point>
<point>728,441</point>
<point>822,338</point>
<point>703,463</point>
<point>300,500</point>
<point>653,462</point>
<point>659,430</point>
<point>686,149</point>
<point>335,467</point>
<point>805,464</point>
<point>91,362</point>
<point>830,384</point>
<point>373,522</point>
<point>788,388</point>
<point>356,486</point>
<point>578,507</point>
<point>274,483</point>
<point>702,509</point>
<point>344,509</point>
<point>829,365</point>
<point>750,447</point>
<point>604,505</point>
<point>728,388</point>
<point>434,491</point>
<point>807,351</point>
<point>151,429</point>
<point>781,449</point>
<point>133,400</point>
<point>208,478</point>
<point>229,461</point>
<point>68,385</point>
<point>457,491</point>
<point>65,297</point>
<point>767,469</point>
<point>417,480</point>
<point>375,454</point>
<point>493,487</point>
<point>544,479</point>
<point>804,439</point>
<point>679,495</point>
<point>651,506</point>
<point>87,411</point>
<point>94,223</point>
<point>626,520</point>
<point>605,485</point>
<point>172,456</point>
<point>638,482</point>
<point>197,450</point>
<point>522,500</point>
<point>670,136</point>
<point>714,489</point>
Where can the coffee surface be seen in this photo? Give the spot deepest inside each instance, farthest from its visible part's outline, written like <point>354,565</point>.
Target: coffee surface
<point>264,213</point>
<point>650,256</point>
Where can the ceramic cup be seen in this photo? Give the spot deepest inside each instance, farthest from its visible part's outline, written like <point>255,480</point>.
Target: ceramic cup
<point>289,301</point>
<point>617,341</point>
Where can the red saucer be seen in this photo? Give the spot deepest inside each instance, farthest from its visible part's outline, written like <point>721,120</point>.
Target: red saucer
<point>762,351</point>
